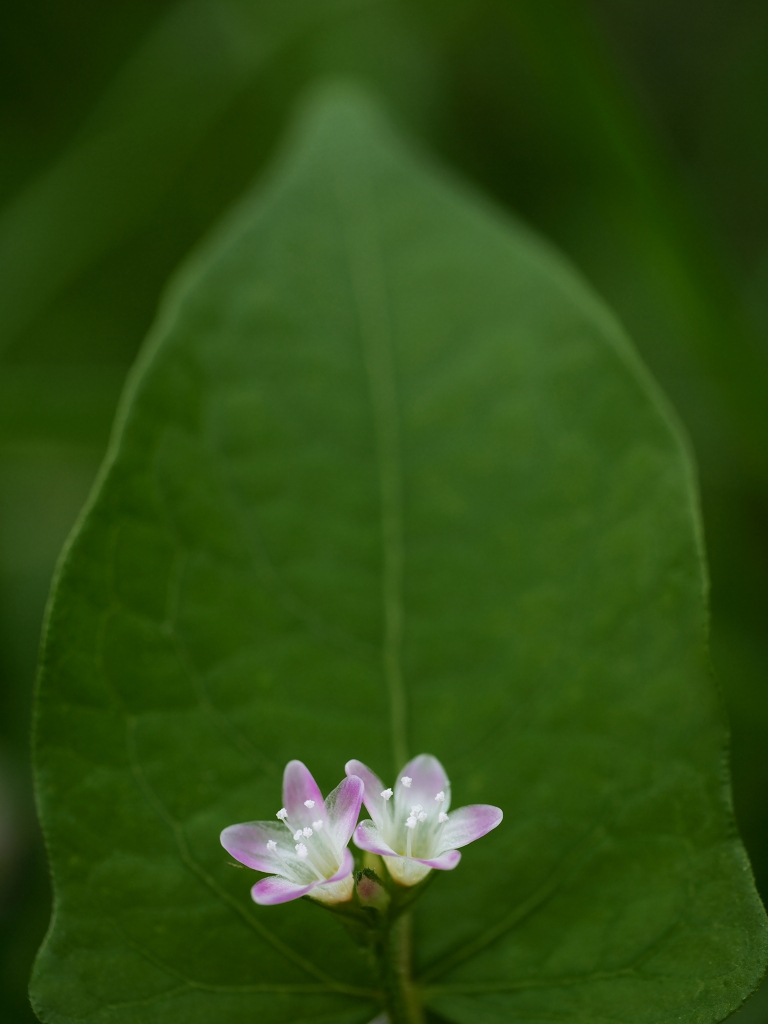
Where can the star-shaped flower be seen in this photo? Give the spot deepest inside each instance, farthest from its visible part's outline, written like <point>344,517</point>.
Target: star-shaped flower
<point>412,828</point>
<point>305,850</point>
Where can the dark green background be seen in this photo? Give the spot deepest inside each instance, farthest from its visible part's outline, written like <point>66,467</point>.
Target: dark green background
<point>630,133</point>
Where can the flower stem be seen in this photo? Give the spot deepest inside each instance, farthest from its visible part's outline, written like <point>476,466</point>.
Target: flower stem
<point>394,955</point>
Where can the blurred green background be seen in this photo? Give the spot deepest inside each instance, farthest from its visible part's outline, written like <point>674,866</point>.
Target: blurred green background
<point>632,133</point>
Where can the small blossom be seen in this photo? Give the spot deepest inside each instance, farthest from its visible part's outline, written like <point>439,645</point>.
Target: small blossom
<point>415,837</point>
<point>317,863</point>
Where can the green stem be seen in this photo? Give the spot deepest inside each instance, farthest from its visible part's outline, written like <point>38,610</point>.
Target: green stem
<point>394,954</point>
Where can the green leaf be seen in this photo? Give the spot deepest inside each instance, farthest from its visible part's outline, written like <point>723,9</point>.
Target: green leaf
<point>388,477</point>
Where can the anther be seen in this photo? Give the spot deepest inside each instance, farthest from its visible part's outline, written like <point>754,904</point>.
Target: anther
<point>416,808</point>
<point>301,850</point>
<point>307,832</point>
<point>272,845</point>
<point>309,803</point>
<point>422,816</point>
<point>297,835</point>
<point>442,817</point>
<point>317,825</point>
<point>282,814</point>
<point>406,781</point>
<point>386,793</point>
<point>440,796</point>
<point>410,822</point>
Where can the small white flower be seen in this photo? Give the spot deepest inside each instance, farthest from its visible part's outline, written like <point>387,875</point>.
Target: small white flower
<point>322,866</point>
<point>414,837</point>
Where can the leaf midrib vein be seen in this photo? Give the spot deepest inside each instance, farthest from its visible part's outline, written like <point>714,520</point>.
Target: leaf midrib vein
<point>373,309</point>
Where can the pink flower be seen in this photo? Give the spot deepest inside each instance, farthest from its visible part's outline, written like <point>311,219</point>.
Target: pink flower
<point>411,828</point>
<point>305,850</point>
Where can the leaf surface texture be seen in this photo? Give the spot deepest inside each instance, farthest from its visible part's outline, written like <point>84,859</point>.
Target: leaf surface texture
<point>388,478</point>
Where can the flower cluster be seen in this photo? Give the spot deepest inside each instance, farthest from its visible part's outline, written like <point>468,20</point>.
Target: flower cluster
<point>305,850</point>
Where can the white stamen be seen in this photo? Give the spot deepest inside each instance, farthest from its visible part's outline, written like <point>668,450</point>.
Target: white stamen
<point>442,817</point>
<point>410,822</point>
<point>297,835</point>
<point>386,793</point>
<point>282,814</point>
<point>422,816</point>
<point>416,808</point>
<point>301,850</point>
<point>309,803</point>
<point>406,781</point>
<point>307,832</point>
<point>272,845</point>
<point>440,796</point>
<point>317,825</point>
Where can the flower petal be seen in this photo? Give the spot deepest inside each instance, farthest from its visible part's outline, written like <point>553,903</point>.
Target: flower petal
<point>275,889</point>
<point>406,871</point>
<point>368,837</point>
<point>373,788</point>
<point>334,892</point>
<point>428,778</point>
<point>299,786</point>
<point>467,824</point>
<point>248,843</point>
<point>445,862</point>
<point>343,808</point>
<point>347,864</point>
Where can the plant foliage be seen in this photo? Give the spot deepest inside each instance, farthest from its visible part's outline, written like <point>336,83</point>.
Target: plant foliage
<point>388,478</point>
